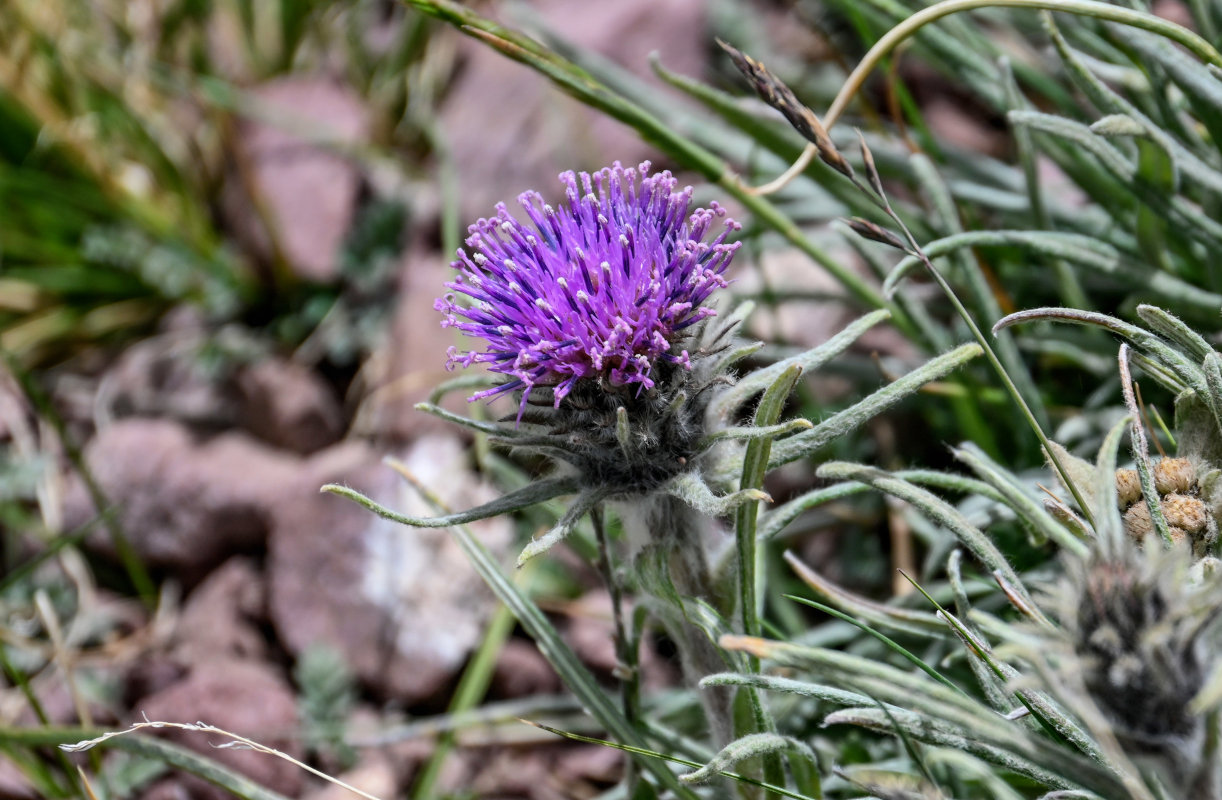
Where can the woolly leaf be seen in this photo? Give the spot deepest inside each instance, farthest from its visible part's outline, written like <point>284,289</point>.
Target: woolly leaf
<point>837,425</point>
<point>584,504</point>
<point>750,746</point>
<point>755,382</point>
<point>528,495</point>
<point>691,489</point>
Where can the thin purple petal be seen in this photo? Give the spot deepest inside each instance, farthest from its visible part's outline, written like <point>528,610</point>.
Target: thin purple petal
<point>601,285</point>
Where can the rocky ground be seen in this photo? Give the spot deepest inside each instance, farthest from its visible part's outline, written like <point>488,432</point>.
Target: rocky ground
<point>213,476</point>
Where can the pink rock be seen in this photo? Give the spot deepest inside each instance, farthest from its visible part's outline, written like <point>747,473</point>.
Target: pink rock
<point>309,191</point>
<point>183,505</point>
<point>521,671</point>
<point>221,616</point>
<point>591,633</point>
<point>402,604</point>
<point>13,783</point>
<point>1173,10</point>
<point>163,377</point>
<point>375,774</point>
<point>242,697</point>
<point>289,406</point>
<point>415,357</point>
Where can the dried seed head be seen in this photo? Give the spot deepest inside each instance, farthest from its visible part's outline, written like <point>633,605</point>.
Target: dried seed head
<point>876,233</point>
<point>1174,475</point>
<point>1128,487</point>
<point>1138,630</point>
<point>1186,513</point>
<point>773,91</point>
<point>1138,524</point>
<point>1188,516</point>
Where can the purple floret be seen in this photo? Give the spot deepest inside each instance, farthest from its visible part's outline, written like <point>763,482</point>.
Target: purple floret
<point>601,286</point>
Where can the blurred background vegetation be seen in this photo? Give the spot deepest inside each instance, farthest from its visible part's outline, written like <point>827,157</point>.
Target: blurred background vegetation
<point>149,199</point>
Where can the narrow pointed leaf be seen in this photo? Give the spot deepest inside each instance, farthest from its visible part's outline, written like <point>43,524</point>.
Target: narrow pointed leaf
<point>754,745</point>
<point>837,425</point>
<point>755,382</point>
<point>584,504</point>
<point>529,495</point>
<point>691,489</point>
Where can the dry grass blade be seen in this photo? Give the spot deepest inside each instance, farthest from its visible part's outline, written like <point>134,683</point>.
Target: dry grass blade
<point>876,233</point>
<point>235,742</point>
<point>773,91</point>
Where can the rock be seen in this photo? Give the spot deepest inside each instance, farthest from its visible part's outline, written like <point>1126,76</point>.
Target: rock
<point>222,615</point>
<point>541,133</point>
<point>13,784</point>
<point>514,773</point>
<point>1174,10</point>
<point>591,633</point>
<point>243,697</point>
<point>308,191</point>
<point>289,406</point>
<point>165,377</point>
<point>149,674</point>
<point>589,763</point>
<point>374,774</point>
<point>521,671</point>
<point>58,703</point>
<point>183,786</point>
<point>415,358</point>
<point>402,604</point>
<point>183,505</point>
<point>549,772</point>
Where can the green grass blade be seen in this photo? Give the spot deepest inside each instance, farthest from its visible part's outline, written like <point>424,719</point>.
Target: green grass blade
<point>837,425</point>
<point>547,638</point>
<point>890,643</point>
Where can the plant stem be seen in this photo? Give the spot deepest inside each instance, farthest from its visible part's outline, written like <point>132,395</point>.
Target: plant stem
<point>963,313</point>
<point>755,466</point>
<point>625,653</point>
<point>909,27</point>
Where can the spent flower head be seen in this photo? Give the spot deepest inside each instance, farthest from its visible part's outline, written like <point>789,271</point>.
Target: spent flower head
<point>1139,640</point>
<point>602,286</point>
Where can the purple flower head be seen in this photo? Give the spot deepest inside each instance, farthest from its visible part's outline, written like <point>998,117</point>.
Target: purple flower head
<point>602,286</point>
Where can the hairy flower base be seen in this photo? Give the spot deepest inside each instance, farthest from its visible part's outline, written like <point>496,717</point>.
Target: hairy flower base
<point>1136,627</point>
<point>633,451</point>
<point>601,288</point>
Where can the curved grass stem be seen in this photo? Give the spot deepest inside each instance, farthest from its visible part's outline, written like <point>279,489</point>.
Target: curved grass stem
<point>910,26</point>
<point>1009,384</point>
<point>915,249</point>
